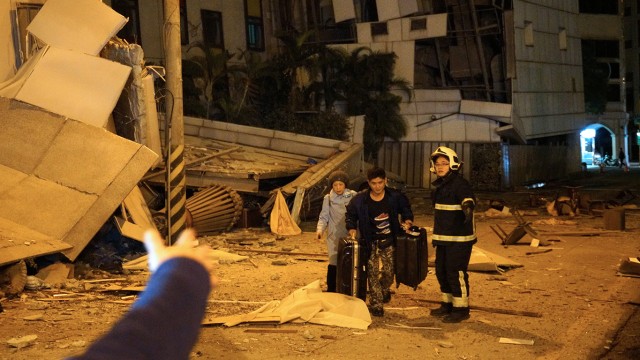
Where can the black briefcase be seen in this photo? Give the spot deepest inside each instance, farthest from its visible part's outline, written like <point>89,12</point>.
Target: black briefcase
<point>351,272</point>
<point>411,255</point>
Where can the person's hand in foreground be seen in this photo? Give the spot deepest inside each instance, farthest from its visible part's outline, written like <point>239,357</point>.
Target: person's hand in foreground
<point>186,246</point>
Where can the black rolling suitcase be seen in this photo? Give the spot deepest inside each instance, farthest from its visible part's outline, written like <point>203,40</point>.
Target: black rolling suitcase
<point>411,257</point>
<point>351,274</point>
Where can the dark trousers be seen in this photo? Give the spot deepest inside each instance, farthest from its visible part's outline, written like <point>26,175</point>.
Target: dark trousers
<point>452,262</point>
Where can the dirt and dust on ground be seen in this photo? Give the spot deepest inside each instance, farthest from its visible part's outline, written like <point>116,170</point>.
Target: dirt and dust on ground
<point>566,301</point>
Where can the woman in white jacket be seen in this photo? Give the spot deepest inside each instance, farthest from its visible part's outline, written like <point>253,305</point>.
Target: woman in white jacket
<point>331,219</point>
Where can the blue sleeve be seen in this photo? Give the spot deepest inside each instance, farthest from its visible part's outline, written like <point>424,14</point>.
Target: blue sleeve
<point>323,218</point>
<point>165,321</point>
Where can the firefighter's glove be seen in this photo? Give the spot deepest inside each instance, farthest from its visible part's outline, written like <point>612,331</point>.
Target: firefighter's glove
<point>467,208</point>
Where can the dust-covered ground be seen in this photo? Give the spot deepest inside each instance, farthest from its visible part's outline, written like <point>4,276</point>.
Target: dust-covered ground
<point>585,310</point>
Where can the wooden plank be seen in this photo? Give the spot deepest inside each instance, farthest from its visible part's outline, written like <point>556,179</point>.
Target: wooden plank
<point>137,207</point>
<point>504,340</point>
<point>130,230</point>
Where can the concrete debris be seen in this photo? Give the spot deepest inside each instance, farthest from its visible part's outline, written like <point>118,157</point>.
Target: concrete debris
<point>22,342</point>
<point>630,267</point>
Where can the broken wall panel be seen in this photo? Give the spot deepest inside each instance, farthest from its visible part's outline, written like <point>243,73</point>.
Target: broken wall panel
<point>79,86</point>
<point>343,10</point>
<point>16,122</point>
<point>76,176</point>
<point>18,242</point>
<point>91,148</point>
<point>83,26</point>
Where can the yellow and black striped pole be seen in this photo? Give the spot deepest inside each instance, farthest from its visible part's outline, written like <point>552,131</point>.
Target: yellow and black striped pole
<point>176,194</point>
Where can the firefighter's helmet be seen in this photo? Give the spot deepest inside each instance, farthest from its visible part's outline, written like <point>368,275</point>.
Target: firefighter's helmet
<point>454,162</point>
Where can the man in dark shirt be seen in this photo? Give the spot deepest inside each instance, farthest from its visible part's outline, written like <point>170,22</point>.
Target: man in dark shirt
<point>377,213</point>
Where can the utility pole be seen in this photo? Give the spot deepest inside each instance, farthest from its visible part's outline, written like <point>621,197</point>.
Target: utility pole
<point>174,123</point>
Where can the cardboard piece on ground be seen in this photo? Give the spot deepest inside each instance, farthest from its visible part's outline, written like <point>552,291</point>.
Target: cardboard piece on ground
<point>63,178</point>
<point>19,242</point>
<point>483,260</point>
<point>307,304</point>
<point>76,85</point>
<point>83,26</point>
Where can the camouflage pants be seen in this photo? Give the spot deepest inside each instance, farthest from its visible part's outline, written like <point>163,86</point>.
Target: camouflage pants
<point>380,274</point>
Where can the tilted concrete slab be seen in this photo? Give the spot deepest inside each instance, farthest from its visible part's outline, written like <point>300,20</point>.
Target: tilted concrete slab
<point>60,177</point>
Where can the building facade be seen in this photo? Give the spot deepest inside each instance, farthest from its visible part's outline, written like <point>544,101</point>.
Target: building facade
<point>503,72</point>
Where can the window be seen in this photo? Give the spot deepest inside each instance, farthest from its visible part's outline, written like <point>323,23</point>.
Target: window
<point>562,39</point>
<point>613,92</point>
<point>212,28</point>
<point>528,33</point>
<point>255,26</point>
<point>598,7</point>
<point>418,24</point>
<point>25,43</point>
<point>131,30</point>
<point>379,28</point>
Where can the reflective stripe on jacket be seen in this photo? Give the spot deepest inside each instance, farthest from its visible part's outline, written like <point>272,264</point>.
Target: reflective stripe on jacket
<point>449,227</point>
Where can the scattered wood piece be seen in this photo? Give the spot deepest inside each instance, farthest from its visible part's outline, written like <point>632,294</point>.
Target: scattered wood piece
<point>277,252</point>
<point>402,326</point>
<point>267,331</point>
<point>328,337</point>
<point>515,341</point>
<point>538,252</point>
<point>581,233</point>
<point>492,310</point>
<point>405,308</point>
<point>103,280</point>
<point>252,263</point>
<point>237,302</point>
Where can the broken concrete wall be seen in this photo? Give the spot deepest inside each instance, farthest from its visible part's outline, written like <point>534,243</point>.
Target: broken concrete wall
<point>63,178</point>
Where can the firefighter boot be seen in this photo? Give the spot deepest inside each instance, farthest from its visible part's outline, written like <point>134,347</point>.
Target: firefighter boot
<point>459,311</point>
<point>443,310</point>
<point>331,278</point>
<point>457,315</point>
<point>445,306</point>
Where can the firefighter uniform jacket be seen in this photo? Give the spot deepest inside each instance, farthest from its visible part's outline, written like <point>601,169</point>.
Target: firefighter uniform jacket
<point>450,193</point>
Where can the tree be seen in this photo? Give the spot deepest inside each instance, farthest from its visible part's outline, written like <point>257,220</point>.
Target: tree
<point>368,90</point>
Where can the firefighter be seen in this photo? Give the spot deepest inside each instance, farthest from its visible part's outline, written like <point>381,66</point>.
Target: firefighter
<point>453,234</point>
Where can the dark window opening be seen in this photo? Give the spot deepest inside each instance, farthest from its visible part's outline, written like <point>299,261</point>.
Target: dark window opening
<point>131,30</point>
<point>212,28</point>
<point>614,71</point>
<point>368,11</point>
<point>613,93</point>
<point>418,24</point>
<point>631,106</point>
<point>598,7</point>
<point>25,43</point>
<point>379,29</point>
